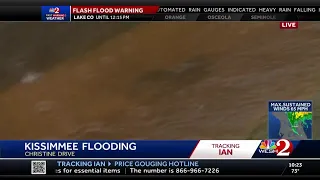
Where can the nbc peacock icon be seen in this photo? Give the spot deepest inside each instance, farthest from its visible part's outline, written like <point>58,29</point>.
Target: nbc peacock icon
<point>267,146</point>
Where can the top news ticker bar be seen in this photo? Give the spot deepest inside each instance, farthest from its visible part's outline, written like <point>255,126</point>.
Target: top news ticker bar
<point>156,13</point>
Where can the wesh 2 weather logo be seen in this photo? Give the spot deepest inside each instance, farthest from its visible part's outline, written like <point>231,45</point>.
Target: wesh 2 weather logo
<point>55,13</point>
<point>282,147</point>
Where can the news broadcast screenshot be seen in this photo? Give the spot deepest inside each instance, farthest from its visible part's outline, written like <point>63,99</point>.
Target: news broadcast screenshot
<point>159,88</point>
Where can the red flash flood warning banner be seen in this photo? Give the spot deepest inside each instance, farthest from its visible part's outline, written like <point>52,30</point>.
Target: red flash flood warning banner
<point>103,13</point>
<point>114,10</point>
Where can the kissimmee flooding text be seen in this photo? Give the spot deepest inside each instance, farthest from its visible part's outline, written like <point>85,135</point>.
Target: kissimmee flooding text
<point>69,148</point>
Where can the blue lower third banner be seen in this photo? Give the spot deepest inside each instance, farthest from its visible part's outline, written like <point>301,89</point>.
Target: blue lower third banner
<point>55,13</point>
<point>190,149</point>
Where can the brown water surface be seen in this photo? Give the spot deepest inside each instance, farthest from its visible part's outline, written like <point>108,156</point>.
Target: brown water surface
<point>151,80</point>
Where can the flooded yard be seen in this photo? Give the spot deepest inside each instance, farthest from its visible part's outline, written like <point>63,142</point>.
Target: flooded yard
<point>152,80</point>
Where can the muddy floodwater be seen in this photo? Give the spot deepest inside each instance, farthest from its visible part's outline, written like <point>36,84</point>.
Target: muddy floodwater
<point>152,80</point>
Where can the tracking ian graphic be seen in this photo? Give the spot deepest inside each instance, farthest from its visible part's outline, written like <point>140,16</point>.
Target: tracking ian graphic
<point>290,120</point>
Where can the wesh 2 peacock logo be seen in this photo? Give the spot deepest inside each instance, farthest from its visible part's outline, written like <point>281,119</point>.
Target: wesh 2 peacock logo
<point>282,147</point>
<point>267,146</point>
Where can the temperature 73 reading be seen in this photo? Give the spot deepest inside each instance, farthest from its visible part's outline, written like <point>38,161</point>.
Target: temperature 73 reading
<point>294,171</point>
